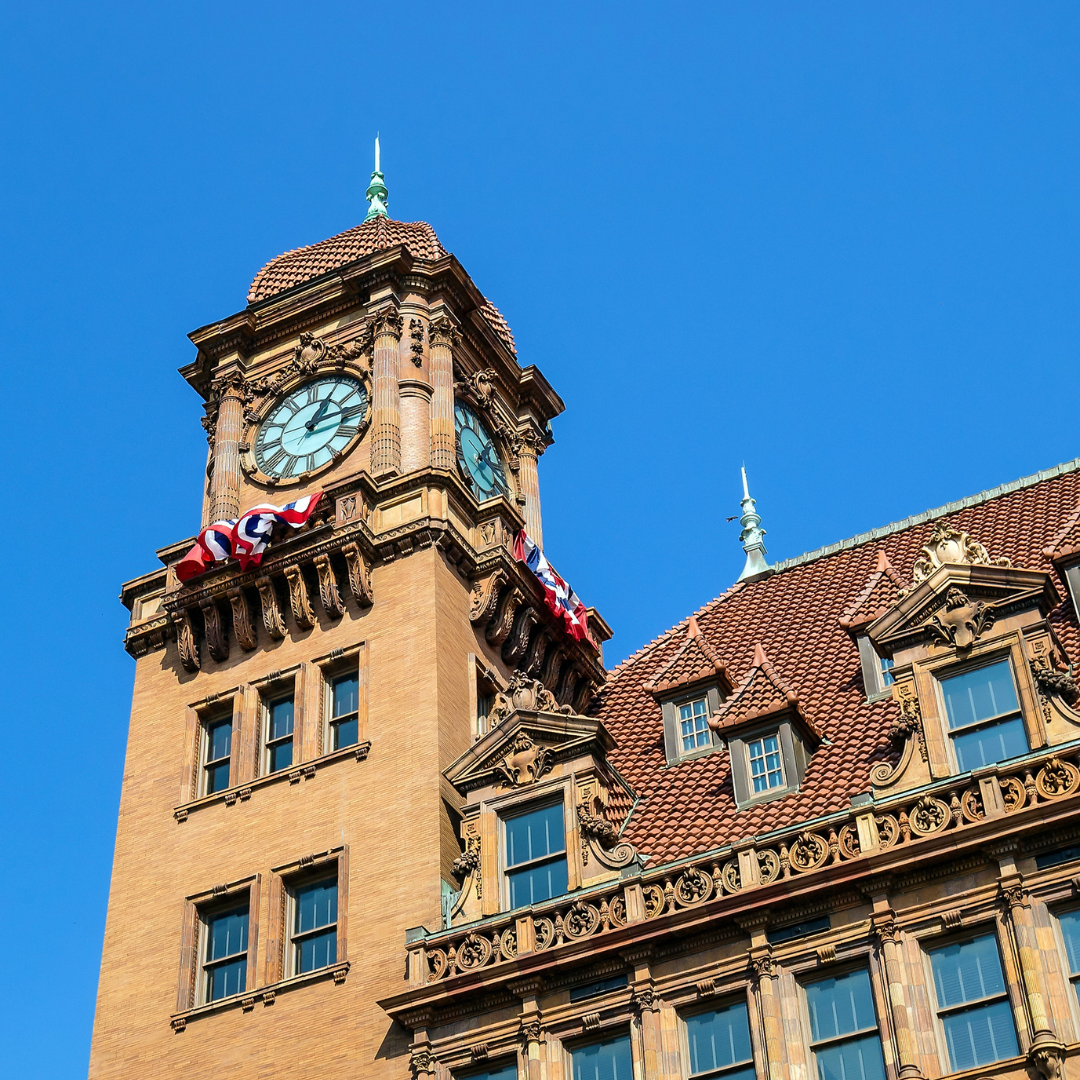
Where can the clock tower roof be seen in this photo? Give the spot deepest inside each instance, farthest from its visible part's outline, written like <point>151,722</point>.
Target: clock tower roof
<point>375,234</point>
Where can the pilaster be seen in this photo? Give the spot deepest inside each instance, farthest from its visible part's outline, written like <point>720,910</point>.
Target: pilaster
<point>386,417</point>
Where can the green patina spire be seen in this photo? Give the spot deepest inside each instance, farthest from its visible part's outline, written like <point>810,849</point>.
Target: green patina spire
<point>377,195</point>
<point>752,536</point>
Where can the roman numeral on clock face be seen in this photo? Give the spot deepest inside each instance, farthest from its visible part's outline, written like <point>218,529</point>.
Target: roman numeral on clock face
<point>271,466</point>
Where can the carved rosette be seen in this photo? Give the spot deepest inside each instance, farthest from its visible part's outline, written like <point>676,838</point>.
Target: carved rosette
<point>243,624</point>
<point>359,575</point>
<point>273,623</point>
<point>329,593</point>
<point>302,611</point>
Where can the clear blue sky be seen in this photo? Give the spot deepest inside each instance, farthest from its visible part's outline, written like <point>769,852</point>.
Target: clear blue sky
<point>837,242</point>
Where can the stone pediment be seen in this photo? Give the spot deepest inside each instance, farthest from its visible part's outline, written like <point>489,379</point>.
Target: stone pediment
<point>525,747</point>
<point>957,603</point>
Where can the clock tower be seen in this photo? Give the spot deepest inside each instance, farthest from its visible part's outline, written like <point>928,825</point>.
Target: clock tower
<point>284,818</point>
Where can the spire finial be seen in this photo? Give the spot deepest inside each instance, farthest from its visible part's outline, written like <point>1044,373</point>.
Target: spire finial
<point>377,195</point>
<point>752,536</point>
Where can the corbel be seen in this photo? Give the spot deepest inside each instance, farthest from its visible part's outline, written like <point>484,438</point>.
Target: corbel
<point>498,630</point>
<point>485,596</point>
<point>185,640</point>
<point>568,681</point>
<point>329,593</point>
<point>217,640</point>
<point>359,575</point>
<point>518,640</point>
<point>303,614</point>
<point>273,622</point>
<point>534,654</point>
<point>553,661</point>
<point>243,625</point>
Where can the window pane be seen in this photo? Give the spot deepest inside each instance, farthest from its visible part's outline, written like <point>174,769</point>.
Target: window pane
<point>1070,931</point>
<point>316,905</point>
<point>995,742</point>
<point>217,778</point>
<point>226,980</point>
<point>316,952</point>
<point>981,1035</point>
<point>967,972</point>
<point>979,694</point>
<point>718,1039</point>
<point>608,1060</point>
<point>227,934</point>
<point>346,694</point>
<point>532,836</point>
<point>840,1005</point>
<point>886,671</point>
<point>537,883</point>
<point>855,1059</point>
<point>503,1072</point>
<point>281,756</point>
<point>219,740</point>
<point>765,767</point>
<point>346,733</point>
<point>281,718</point>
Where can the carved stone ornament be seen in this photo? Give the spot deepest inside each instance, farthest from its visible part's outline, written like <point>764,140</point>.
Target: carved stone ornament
<point>302,611</point>
<point>444,331</point>
<point>763,967</point>
<point>962,621</point>
<point>530,1030</point>
<point>217,640</point>
<point>644,1000</point>
<point>273,623</point>
<point>526,762</point>
<point>949,545</point>
<point>359,575</point>
<point>480,386</point>
<point>387,321</point>
<point>599,835</point>
<point>1046,1060</point>
<point>329,594</point>
<point>185,641</point>
<point>1056,683</point>
<point>421,1061</point>
<point>485,596</point>
<point>416,332</point>
<point>243,624</point>
<point>525,693</point>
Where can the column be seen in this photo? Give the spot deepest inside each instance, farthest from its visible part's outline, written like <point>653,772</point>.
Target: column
<point>232,390</point>
<point>764,971</point>
<point>415,424</point>
<point>529,450</point>
<point>385,415</point>
<point>890,940</point>
<point>1015,897</point>
<point>443,335</point>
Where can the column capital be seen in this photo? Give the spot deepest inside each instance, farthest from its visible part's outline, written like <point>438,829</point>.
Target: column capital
<point>444,330</point>
<point>387,321</point>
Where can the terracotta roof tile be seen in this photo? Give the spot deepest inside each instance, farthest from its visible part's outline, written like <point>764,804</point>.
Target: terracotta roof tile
<point>307,263</point>
<point>881,591</point>
<point>694,661</point>
<point>761,693</point>
<point>795,615</point>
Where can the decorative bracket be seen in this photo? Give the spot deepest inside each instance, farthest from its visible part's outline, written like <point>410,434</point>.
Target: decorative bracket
<point>273,623</point>
<point>302,611</point>
<point>243,625</point>
<point>359,575</point>
<point>329,593</point>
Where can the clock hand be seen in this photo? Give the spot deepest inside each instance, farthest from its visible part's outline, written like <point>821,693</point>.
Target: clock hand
<point>310,425</point>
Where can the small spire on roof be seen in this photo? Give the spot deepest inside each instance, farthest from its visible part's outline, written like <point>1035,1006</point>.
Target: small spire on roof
<point>377,195</point>
<point>752,536</point>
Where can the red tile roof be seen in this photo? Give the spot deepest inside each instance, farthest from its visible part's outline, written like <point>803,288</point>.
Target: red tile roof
<point>692,662</point>
<point>307,263</point>
<point>795,615</point>
<point>881,591</point>
<point>762,692</point>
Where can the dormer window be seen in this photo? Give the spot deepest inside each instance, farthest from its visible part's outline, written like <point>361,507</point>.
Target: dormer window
<point>876,670</point>
<point>766,764</point>
<point>985,723</point>
<point>694,730</point>
<point>535,855</point>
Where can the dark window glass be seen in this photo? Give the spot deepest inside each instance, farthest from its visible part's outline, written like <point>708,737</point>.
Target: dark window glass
<point>226,954</point>
<point>279,742</point>
<point>720,1042</point>
<point>218,749</point>
<point>607,1060</point>
<point>536,849</point>
<point>971,999</point>
<point>1070,931</point>
<point>600,986</point>
<point>843,1028</point>
<point>315,927</point>
<point>802,929</point>
<point>344,722</point>
<point>496,1072</point>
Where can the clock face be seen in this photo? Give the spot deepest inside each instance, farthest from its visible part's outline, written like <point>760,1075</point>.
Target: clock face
<point>308,427</point>
<point>477,455</point>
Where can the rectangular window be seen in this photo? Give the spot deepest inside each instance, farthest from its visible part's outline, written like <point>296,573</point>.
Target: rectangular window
<point>984,716</point>
<point>719,1043</point>
<point>694,724</point>
<point>766,768</point>
<point>1069,921</point>
<point>314,925</point>
<point>495,1072</point>
<point>344,711</point>
<point>279,733</point>
<point>886,671</point>
<point>972,1003</point>
<point>217,742</point>
<point>225,954</point>
<point>607,1060</point>
<point>535,847</point>
<point>844,1036</point>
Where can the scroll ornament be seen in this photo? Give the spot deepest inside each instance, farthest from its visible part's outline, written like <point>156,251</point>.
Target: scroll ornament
<point>948,545</point>
<point>601,837</point>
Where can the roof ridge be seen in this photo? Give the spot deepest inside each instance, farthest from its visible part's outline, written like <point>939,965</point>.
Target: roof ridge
<point>927,515</point>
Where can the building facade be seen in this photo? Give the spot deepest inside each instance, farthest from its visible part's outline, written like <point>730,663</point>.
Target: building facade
<point>382,816</point>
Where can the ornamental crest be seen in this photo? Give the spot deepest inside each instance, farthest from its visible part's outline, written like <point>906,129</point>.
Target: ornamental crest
<point>962,621</point>
<point>526,762</point>
<point>949,545</point>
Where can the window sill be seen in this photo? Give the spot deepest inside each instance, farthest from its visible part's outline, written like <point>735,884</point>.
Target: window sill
<point>766,797</point>
<point>693,755</point>
<point>243,792</point>
<point>265,994</point>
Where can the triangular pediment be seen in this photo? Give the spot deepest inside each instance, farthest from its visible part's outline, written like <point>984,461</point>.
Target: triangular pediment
<point>525,746</point>
<point>957,603</point>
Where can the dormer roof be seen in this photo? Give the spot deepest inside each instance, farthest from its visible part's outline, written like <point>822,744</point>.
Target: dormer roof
<point>695,662</point>
<point>880,591</point>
